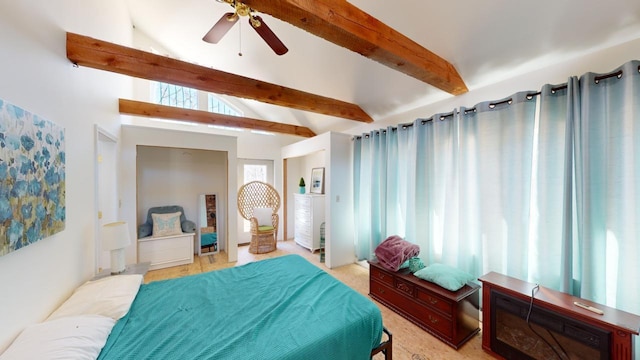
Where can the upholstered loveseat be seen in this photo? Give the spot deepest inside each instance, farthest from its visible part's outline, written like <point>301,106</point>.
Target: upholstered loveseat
<point>146,229</point>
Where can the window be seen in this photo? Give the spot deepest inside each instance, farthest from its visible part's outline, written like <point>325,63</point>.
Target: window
<point>255,173</point>
<point>174,95</point>
<point>187,98</point>
<point>217,105</point>
<point>252,170</point>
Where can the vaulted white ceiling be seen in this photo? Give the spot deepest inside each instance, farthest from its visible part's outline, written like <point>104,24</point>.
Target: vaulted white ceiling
<point>486,41</point>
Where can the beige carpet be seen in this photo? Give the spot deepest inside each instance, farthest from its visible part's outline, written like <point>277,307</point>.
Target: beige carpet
<point>409,341</point>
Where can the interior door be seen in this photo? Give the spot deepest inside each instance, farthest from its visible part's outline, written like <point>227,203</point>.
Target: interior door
<point>252,170</point>
<point>106,190</point>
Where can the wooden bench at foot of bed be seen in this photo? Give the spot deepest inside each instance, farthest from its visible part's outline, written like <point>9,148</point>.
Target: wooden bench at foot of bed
<point>451,316</point>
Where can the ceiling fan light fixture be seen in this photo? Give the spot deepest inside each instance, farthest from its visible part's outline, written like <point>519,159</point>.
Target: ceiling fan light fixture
<point>242,9</point>
<point>222,27</point>
<point>254,21</point>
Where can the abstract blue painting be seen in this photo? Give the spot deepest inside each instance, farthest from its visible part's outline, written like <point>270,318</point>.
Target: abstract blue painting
<point>32,178</point>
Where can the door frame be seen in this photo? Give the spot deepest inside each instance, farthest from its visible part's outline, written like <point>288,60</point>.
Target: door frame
<point>101,135</point>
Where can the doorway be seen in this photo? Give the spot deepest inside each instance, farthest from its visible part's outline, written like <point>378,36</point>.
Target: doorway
<point>252,170</point>
<point>107,204</point>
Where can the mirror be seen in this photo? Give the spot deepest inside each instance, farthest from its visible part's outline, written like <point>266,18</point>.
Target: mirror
<point>208,224</point>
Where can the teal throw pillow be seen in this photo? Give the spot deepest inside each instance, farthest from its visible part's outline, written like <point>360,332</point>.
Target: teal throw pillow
<point>446,276</point>
<point>415,264</point>
<point>404,265</point>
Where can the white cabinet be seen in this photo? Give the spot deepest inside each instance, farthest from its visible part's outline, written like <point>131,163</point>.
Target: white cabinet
<point>166,251</point>
<point>309,210</point>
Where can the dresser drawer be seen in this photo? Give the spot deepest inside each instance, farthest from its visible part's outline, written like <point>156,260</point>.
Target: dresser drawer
<point>302,202</point>
<point>435,301</point>
<point>398,299</point>
<point>381,276</point>
<point>405,287</point>
<point>303,240</point>
<point>440,324</point>
<point>303,214</point>
<point>302,230</point>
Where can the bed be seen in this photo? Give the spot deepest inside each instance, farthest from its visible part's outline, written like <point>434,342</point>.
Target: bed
<point>279,308</point>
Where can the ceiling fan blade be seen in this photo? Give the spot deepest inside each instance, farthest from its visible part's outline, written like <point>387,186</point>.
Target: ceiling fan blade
<point>218,30</point>
<point>268,36</point>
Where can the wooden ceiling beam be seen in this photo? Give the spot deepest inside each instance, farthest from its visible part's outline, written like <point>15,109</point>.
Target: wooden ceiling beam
<point>98,54</point>
<point>345,25</point>
<point>140,108</point>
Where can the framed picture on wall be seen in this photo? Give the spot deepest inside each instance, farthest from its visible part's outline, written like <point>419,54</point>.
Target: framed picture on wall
<point>317,180</point>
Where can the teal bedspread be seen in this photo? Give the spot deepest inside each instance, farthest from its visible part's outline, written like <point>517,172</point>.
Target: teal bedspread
<point>280,308</point>
<point>208,239</point>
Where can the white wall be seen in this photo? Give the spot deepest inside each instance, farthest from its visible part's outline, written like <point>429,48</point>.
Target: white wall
<point>339,199</point>
<point>298,167</point>
<point>313,160</point>
<point>336,150</point>
<point>36,75</point>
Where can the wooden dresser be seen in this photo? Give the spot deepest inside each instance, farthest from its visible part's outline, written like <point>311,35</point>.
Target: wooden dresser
<point>452,317</point>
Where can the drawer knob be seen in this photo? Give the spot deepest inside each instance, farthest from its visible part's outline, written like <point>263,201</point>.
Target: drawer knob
<point>434,320</point>
<point>404,288</point>
<point>381,290</point>
<point>381,276</point>
<point>433,301</point>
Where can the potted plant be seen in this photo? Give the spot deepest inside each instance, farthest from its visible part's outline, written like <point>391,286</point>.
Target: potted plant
<point>302,185</point>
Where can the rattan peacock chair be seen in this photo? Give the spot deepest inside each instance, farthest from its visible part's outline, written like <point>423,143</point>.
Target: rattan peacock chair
<point>259,202</point>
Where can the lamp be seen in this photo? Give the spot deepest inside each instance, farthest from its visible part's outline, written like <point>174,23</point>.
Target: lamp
<point>115,237</point>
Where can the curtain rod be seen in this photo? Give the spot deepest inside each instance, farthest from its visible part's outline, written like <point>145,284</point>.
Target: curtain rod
<point>617,74</point>
<point>597,80</point>
<point>424,121</point>
<point>553,90</point>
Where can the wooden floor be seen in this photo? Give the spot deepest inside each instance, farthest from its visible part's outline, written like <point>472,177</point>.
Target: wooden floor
<point>409,341</point>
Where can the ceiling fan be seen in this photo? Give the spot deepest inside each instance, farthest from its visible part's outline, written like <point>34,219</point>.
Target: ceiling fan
<point>229,19</point>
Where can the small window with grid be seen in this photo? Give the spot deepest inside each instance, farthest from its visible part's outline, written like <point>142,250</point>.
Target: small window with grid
<point>175,95</point>
<point>217,105</point>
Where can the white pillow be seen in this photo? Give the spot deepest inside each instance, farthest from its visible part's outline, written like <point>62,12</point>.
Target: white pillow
<point>76,337</point>
<point>166,224</point>
<point>263,215</point>
<point>110,296</point>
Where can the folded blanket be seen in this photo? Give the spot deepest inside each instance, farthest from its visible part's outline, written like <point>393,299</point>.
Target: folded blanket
<point>394,251</point>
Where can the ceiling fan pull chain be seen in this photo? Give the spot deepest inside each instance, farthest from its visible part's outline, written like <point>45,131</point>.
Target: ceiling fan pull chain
<point>240,39</point>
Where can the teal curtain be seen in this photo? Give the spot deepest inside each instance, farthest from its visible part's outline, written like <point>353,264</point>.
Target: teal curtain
<point>552,215</point>
<point>365,227</point>
<point>433,209</point>
<point>540,186</point>
<point>370,168</point>
<point>607,137</point>
<point>393,216</point>
<point>496,157</point>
